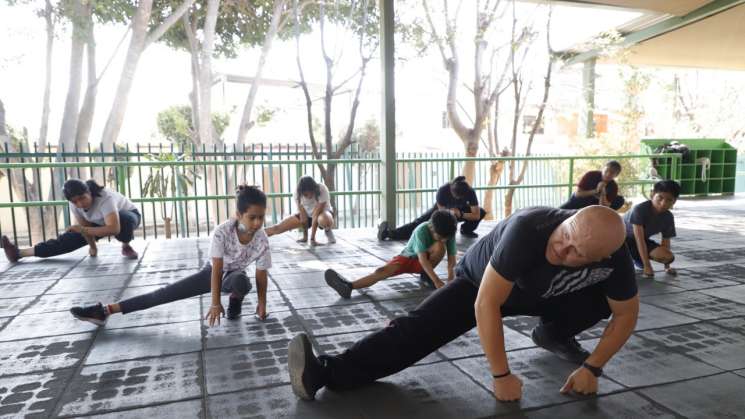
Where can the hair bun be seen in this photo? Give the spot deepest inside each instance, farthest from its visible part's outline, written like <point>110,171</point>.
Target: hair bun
<point>459,179</point>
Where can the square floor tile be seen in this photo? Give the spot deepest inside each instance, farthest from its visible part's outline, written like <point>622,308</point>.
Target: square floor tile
<point>280,402</point>
<point>621,405</point>
<point>643,362</point>
<point>23,289</point>
<point>159,278</point>
<point>288,281</point>
<point>191,409</point>
<point>698,305</point>
<point>718,396</point>
<point>100,388</point>
<point>542,373</point>
<point>32,395</point>
<point>43,354</point>
<point>427,391</point>
<point>41,325</point>
<point>13,306</point>
<point>246,367</point>
<point>146,341</point>
<point>278,326</point>
<point>704,341</point>
<point>321,297</point>
<point>735,293</point>
<point>343,319</point>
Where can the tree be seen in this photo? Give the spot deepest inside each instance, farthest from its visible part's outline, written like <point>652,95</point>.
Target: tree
<point>176,125</point>
<point>520,92</point>
<point>488,78</point>
<point>497,67</point>
<point>142,37</point>
<point>24,188</point>
<point>361,19</point>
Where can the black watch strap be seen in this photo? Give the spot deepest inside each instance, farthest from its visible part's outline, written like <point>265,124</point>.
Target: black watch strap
<point>597,372</point>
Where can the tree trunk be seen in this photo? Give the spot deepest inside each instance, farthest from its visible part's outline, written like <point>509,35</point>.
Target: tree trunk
<point>139,41</point>
<point>72,101</point>
<point>45,109</point>
<point>26,190</point>
<point>246,122</point>
<point>85,119</point>
<point>495,172</point>
<point>134,52</point>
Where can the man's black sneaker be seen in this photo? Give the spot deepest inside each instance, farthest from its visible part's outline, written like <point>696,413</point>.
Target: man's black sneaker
<point>426,281</point>
<point>234,307</point>
<point>95,314</point>
<point>306,372</point>
<point>568,349</point>
<point>383,230</point>
<point>469,234</point>
<point>339,284</point>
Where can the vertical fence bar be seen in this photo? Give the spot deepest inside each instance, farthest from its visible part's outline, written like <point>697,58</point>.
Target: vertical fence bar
<point>571,177</point>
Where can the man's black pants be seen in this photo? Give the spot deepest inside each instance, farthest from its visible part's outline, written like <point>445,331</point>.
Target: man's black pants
<point>447,314</point>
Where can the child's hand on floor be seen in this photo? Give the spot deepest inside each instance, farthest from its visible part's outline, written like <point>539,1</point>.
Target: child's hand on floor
<point>214,313</point>
<point>261,313</point>
<point>648,272</point>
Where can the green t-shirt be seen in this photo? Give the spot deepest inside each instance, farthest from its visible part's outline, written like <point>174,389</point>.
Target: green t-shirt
<point>421,240</point>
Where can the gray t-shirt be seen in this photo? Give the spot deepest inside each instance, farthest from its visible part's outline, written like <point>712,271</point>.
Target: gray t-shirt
<point>653,223</point>
<point>109,202</point>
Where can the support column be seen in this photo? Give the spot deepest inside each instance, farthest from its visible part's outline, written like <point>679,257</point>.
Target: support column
<point>586,126</point>
<point>388,115</point>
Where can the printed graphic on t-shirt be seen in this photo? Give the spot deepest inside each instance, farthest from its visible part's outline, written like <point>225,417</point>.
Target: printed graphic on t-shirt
<point>570,281</point>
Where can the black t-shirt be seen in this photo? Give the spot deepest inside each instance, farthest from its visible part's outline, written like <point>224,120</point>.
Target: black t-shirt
<point>653,223</point>
<point>516,249</point>
<point>446,199</point>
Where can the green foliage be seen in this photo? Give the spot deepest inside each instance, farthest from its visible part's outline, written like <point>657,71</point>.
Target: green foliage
<point>168,181</point>
<point>367,137</point>
<point>175,124</point>
<point>239,23</point>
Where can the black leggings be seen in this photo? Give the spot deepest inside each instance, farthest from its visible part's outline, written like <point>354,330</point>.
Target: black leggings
<point>235,282</point>
<point>68,241</point>
<point>443,316</point>
<point>404,232</point>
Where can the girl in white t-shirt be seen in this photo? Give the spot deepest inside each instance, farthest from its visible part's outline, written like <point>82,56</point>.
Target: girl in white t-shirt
<point>314,211</point>
<point>99,212</point>
<point>236,243</point>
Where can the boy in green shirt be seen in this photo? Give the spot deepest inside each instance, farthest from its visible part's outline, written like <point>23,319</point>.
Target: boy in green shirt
<point>425,249</point>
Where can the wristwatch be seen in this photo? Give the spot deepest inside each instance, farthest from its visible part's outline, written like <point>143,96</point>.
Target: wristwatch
<point>597,372</point>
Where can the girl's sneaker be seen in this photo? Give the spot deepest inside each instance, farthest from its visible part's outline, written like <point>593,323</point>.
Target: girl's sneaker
<point>128,252</point>
<point>330,236</point>
<point>234,307</point>
<point>95,314</point>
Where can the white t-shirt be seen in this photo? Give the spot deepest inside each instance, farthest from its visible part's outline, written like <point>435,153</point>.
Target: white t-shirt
<point>236,256</point>
<point>310,204</point>
<point>109,202</point>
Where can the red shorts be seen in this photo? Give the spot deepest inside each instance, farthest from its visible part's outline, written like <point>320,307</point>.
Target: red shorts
<point>406,265</point>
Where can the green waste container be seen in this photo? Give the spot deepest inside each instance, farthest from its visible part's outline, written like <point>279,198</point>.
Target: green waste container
<point>709,168</point>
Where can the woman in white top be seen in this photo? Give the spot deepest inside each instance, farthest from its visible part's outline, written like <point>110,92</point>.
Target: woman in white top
<point>314,211</point>
<point>99,212</point>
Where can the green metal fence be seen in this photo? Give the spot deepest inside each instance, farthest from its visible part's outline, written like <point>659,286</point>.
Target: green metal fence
<point>207,201</point>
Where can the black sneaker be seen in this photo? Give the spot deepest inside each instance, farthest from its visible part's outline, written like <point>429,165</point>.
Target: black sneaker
<point>426,281</point>
<point>383,230</point>
<point>306,372</point>
<point>568,349</point>
<point>234,307</point>
<point>338,283</point>
<point>11,250</point>
<point>95,314</point>
<point>469,234</point>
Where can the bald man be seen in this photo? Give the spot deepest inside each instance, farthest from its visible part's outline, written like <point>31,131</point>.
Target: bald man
<point>570,268</point>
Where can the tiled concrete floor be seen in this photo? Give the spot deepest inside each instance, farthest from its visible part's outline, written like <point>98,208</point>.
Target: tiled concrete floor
<point>687,357</point>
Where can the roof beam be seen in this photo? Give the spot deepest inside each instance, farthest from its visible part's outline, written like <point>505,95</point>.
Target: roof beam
<point>667,25</point>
